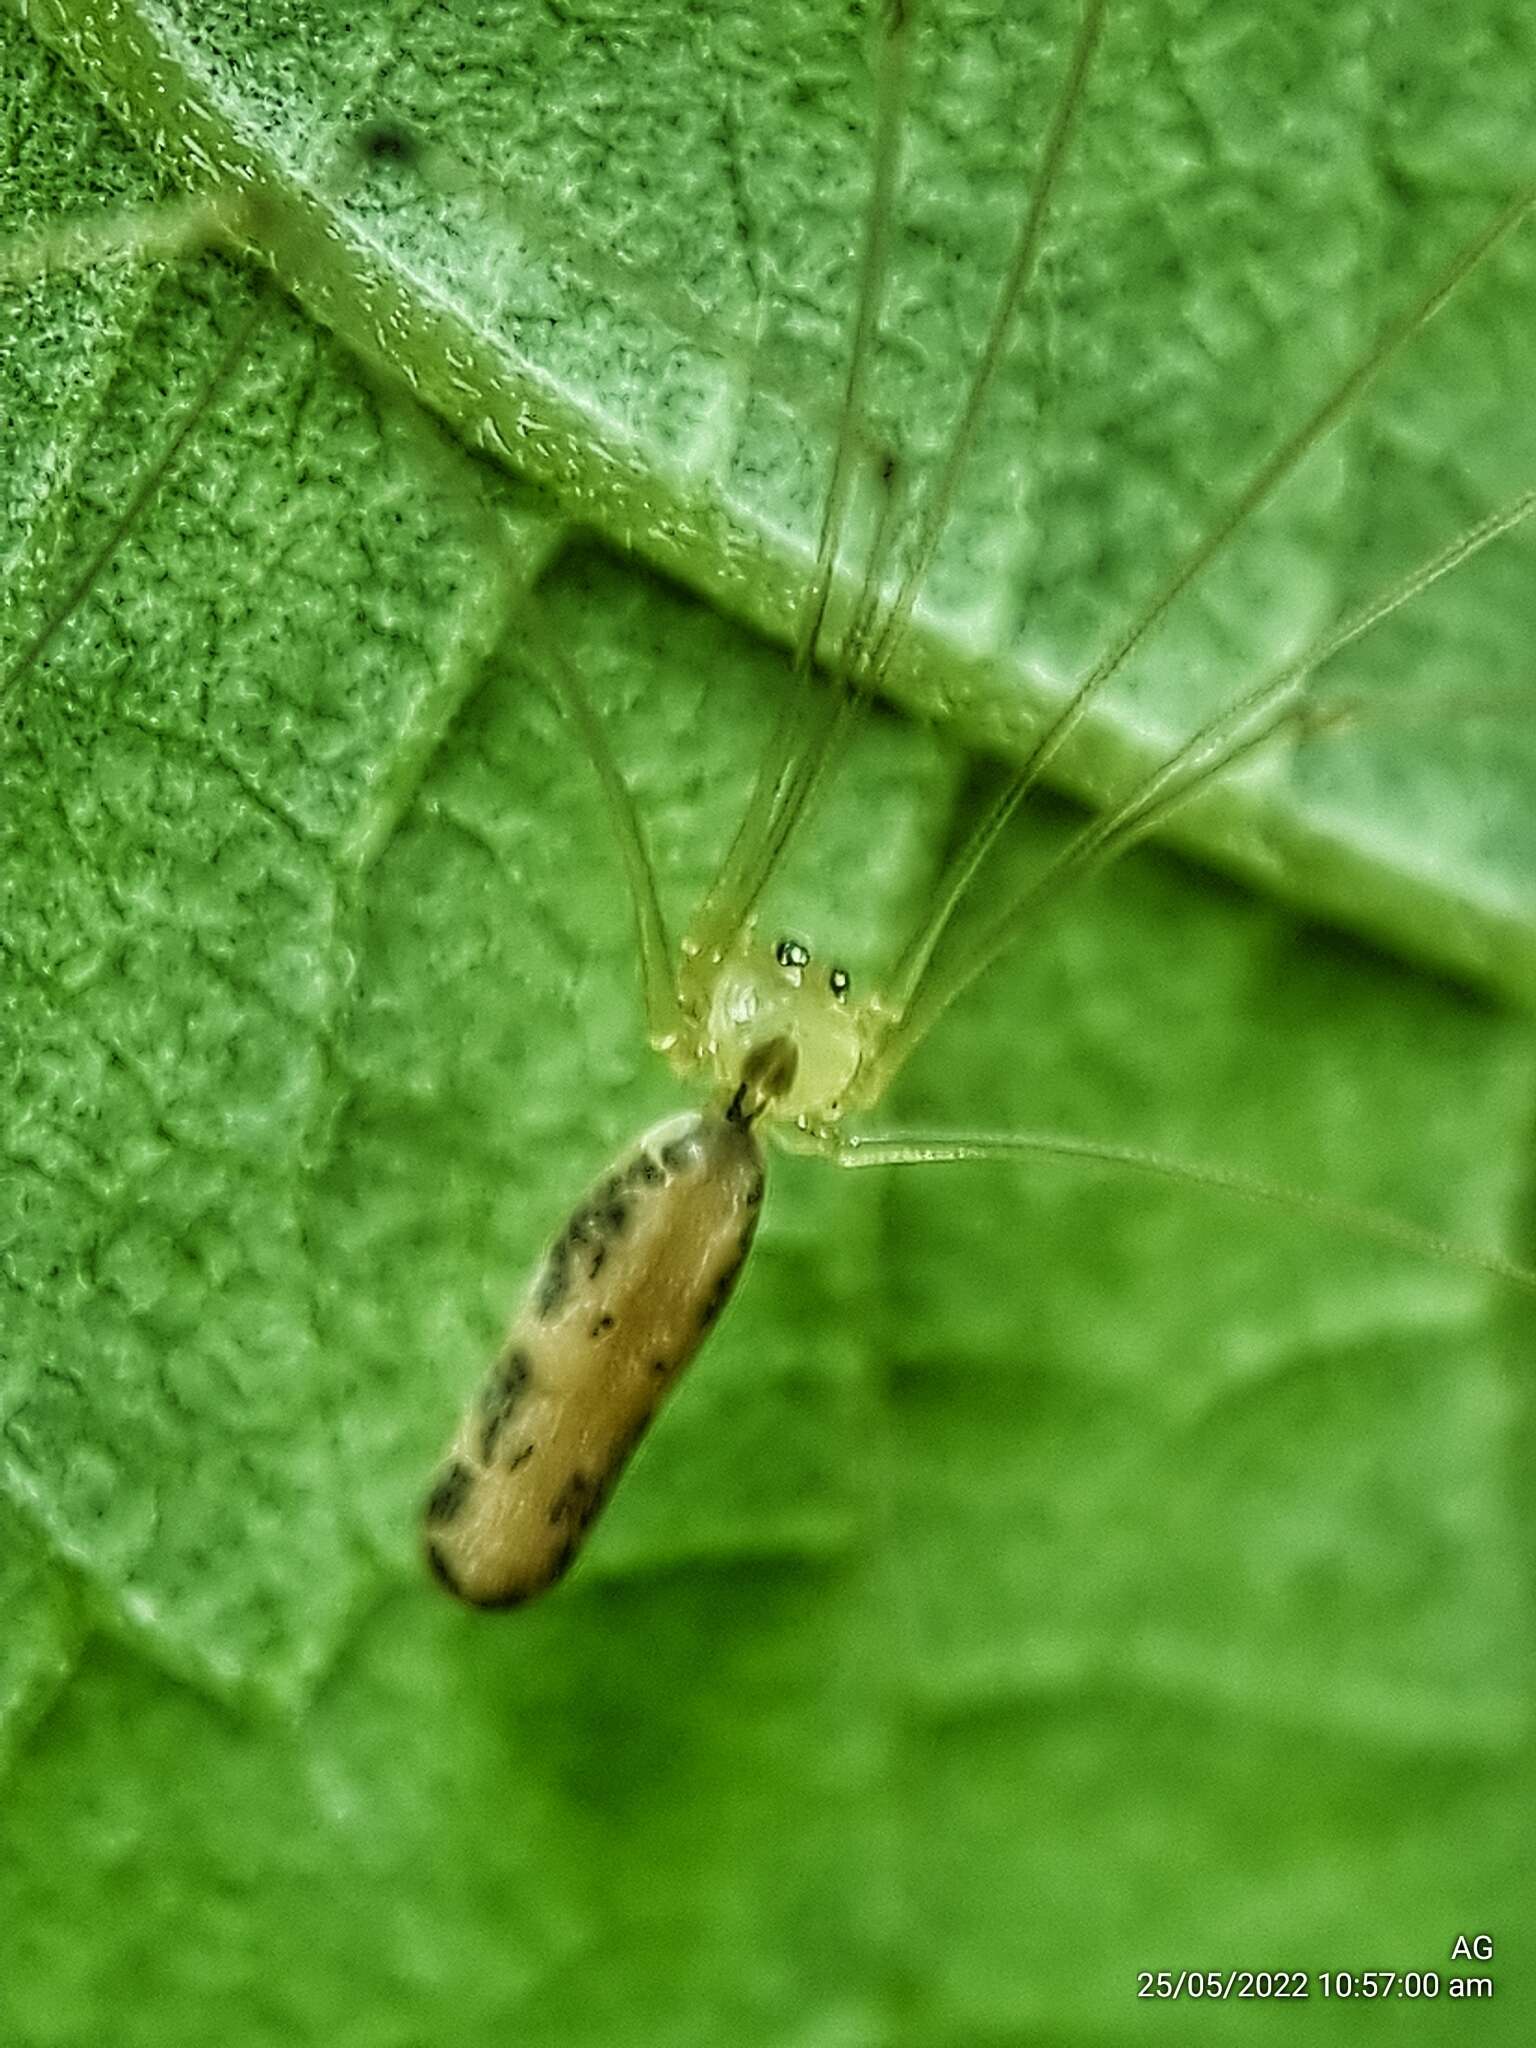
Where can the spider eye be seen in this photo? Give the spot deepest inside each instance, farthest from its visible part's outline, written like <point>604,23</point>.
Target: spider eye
<point>792,953</point>
<point>838,982</point>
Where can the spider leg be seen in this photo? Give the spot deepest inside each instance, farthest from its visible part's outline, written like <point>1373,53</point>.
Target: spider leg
<point>944,1148</point>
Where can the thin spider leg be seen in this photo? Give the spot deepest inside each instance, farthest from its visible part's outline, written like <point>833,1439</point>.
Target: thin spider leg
<point>890,100</point>
<point>963,869</point>
<point>1016,281</point>
<point>1241,729</point>
<point>803,725</point>
<point>658,983</point>
<point>168,228</point>
<point>826,740</point>
<point>1272,707</point>
<point>789,780</point>
<point>1232,732</point>
<point>1424,707</point>
<point>943,1149</point>
<point>141,497</point>
<point>838,711</point>
<point>872,641</point>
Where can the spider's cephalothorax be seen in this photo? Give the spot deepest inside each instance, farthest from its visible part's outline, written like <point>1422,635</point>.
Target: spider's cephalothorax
<point>755,992</point>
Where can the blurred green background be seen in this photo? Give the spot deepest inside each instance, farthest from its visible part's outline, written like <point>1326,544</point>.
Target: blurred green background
<point>1043,1576</point>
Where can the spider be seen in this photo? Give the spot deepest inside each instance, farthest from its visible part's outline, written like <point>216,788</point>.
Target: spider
<point>780,1040</point>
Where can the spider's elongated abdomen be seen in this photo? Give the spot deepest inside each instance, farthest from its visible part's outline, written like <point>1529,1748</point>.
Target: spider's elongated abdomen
<point>624,1298</point>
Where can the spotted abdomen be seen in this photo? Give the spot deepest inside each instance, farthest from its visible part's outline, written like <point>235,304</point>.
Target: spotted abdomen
<point>624,1297</point>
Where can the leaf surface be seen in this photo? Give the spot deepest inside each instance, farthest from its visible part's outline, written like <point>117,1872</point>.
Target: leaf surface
<point>1044,1575</point>
<point>620,258</point>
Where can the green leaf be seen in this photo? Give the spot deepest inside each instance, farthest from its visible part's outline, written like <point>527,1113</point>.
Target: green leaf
<point>1044,1575</point>
<point>621,259</point>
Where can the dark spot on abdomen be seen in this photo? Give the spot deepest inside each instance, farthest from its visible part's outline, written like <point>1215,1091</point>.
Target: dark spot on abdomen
<point>502,1394</point>
<point>720,1294</point>
<point>612,1210</point>
<point>554,1281</point>
<point>447,1498</point>
<point>577,1503</point>
<point>594,1227</point>
<point>442,1571</point>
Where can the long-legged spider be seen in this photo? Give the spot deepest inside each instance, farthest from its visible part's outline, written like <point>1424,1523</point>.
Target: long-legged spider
<point>641,1270</point>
